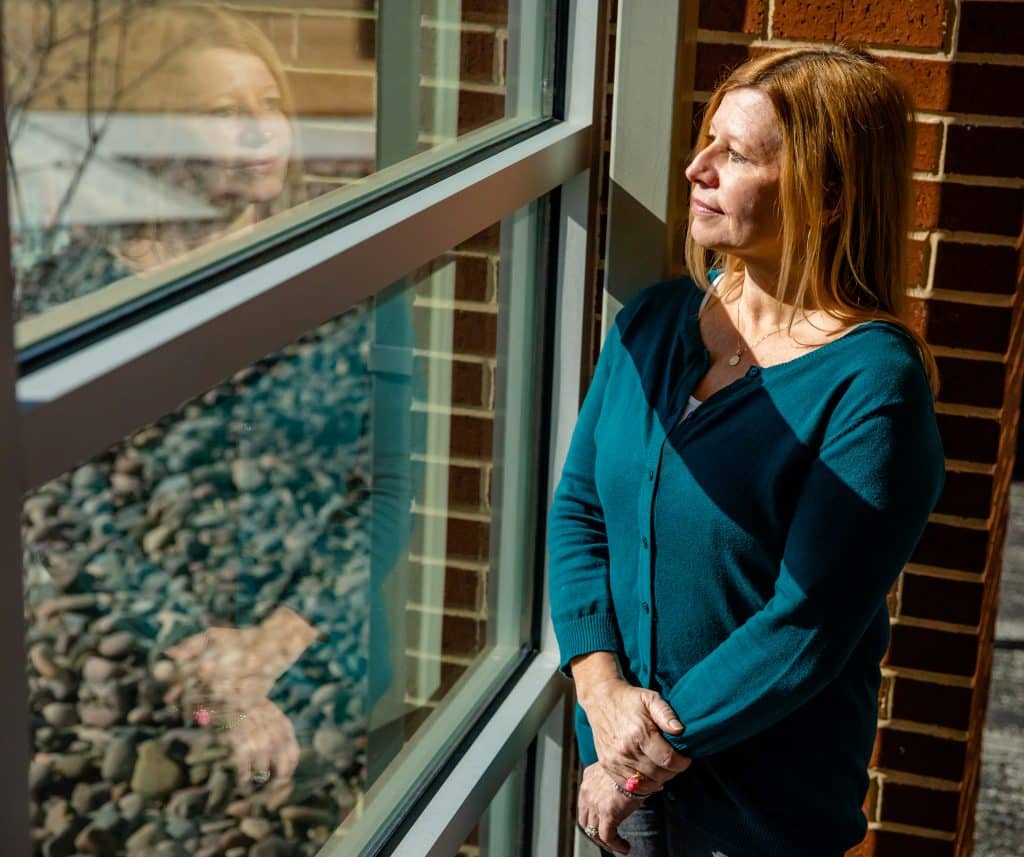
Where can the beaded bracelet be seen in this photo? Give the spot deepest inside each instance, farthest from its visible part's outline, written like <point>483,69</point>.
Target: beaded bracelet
<point>632,795</point>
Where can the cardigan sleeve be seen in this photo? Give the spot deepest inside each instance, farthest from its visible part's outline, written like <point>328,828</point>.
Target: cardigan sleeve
<point>581,606</point>
<point>859,517</point>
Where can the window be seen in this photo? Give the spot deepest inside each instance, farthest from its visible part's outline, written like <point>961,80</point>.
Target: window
<point>151,140</point>
<point>281,509</point>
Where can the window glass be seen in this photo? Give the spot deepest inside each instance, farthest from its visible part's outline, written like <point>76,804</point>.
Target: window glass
<point>149,140</point>
<point>501,830</point>
<point>261,620</point>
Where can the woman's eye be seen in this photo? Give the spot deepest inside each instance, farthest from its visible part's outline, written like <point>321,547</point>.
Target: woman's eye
<point>272,104</point>
<point>224,112</point>
<point>736,157</point>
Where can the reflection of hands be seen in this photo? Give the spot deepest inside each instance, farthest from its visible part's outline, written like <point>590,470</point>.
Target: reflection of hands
<point>600,805</point>
<point>237,667</point>
<point>263,742</point>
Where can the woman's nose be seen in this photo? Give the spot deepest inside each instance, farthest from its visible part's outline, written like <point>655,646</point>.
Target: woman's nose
<point>254,133</point>
<point>699,169</point>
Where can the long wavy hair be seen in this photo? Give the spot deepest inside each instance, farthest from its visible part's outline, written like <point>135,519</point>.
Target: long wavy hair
<point>844,186</point>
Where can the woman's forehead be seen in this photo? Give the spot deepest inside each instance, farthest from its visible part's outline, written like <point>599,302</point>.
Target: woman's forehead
<point>747,115</point>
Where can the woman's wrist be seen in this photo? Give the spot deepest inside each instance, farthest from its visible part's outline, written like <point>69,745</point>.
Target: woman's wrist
<point>287,633</point>
<point>593,674</point>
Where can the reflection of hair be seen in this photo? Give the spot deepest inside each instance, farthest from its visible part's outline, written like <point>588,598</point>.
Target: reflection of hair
<point>844,184</point>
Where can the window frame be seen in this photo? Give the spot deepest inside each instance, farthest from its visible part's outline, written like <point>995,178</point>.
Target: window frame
<point>106,391</point>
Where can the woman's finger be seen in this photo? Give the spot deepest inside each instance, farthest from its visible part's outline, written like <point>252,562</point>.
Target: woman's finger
<point>609,835</point>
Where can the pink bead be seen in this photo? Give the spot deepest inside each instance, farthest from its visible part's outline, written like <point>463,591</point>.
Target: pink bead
<point>203,717</point>
<point>632,784</point>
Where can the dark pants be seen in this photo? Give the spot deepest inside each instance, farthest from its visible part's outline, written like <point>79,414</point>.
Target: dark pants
<point>652,832</point>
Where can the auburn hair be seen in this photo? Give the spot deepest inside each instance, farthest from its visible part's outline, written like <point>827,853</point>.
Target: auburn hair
<point>844,185</point>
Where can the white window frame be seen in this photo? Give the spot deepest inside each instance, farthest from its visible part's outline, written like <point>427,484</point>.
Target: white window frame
<point>69,410</point>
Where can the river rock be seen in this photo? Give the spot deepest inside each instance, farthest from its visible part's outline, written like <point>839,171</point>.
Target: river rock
<point>155,774</point>
<point>60,714</point>
<point>117,645</point>
<point>256,828</point>
<point>273,846</point>
<point>97,669</point>
<point>119,759</point>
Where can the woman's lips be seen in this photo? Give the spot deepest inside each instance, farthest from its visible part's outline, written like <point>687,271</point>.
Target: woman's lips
<point>263,165</point>
<point>699,208</point>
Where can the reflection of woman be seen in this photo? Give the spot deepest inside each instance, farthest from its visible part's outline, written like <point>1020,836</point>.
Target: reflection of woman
<point>203,95</point>
<point>718,582</point>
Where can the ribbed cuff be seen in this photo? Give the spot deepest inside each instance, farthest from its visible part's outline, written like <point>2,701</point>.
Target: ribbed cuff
<point>597,632</point>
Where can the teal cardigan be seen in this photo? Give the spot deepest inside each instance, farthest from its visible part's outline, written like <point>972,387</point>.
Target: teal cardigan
<point>738,562</point>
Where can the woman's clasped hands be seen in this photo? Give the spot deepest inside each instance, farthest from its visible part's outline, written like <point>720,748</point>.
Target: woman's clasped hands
<point>627,723</point>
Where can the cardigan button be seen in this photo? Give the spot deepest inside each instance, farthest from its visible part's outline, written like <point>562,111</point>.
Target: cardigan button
<point>753,370</point>
<point>643,541</point>
<point>645,607</point>
<point>650,475</point>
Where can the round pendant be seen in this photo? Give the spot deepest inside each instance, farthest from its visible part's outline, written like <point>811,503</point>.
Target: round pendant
<point>734,359</point>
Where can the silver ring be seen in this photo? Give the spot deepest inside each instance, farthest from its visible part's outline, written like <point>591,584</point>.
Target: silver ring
<point>260,777</point>
<point>591,832</point>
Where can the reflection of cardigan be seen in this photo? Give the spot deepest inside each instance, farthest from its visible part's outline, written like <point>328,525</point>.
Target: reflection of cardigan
<point>739,566</point>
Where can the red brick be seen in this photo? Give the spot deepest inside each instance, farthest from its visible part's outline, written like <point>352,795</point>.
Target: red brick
<point>924,755</point>
<point>971,382</point>
<point>471,278</point>
<point>486,11</point>
<point>715,61</point>
<point>983,151</point>
<point>926,702</point>
<point>966,438</point>
<point>474,332</point>
<point>974,208</point>
<point>468,539</point>
<point>461,588</point>
<point>950,547</point>
<point>477,109</point>
<point>927,81</point>
<point>932,650</point>
<point>919,806</point>
<point>739,16</point>
<point>918,253</point>
<point>333,95</point>
<point>928,145</point>
<point>991,27</point>
<point>465,486</point>
<point>471,437</point>
<point>927,204</point>
<point>462,636</point>
<point>467,384</point>
<point>987,88</point>
<point>476,54</point>
<point>975,267</point>
<point>966,494</point>
<point>331,41</point>
<point>956,601</point>
<point>910,23</point>
<point>973,326</point>
<point>887,843</point>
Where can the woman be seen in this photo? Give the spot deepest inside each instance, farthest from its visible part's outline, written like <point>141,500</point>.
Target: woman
<point>753,465</point>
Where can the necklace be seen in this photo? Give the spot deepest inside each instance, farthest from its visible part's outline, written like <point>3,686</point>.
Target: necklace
<point>741,345</point>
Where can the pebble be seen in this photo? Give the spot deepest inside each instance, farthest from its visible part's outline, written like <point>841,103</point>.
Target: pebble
<point>154,773</point>
<point>60,714</point>
<point>119,759</point>
<point>117,645</point>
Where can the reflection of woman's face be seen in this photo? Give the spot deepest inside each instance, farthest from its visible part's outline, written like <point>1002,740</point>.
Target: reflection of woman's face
<point>237,124</point>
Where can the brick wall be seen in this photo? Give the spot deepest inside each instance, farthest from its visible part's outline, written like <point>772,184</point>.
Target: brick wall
<point>963,62</point>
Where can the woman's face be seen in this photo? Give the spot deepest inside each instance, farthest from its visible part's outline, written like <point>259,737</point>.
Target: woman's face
<point>237,125</point>
<point>734,195</point>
